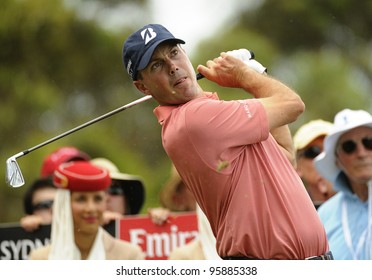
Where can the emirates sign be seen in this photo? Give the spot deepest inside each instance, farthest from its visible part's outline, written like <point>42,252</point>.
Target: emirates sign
<point>157,241</point>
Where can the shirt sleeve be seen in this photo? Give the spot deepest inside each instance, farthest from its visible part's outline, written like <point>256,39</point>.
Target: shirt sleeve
<point>230,123</point>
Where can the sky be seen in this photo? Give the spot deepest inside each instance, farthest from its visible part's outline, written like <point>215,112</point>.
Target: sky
<point>191,20</point>
<point>195,20</point>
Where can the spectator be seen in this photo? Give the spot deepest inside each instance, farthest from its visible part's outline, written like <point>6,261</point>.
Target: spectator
<point>202,247</point>
<point>347,162</point>
<point>78,215</point>
<point>37,204</point>
<point>126,194</point>
<point>61,155</point>
<point>308,143</point>
<point>175,197</point>
<point>235,156</point>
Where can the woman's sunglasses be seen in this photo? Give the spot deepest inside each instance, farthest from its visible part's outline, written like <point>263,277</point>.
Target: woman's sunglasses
<point>311,152</point>
<point>349,146</point>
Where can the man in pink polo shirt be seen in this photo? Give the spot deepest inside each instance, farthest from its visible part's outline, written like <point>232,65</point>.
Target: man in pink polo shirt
<point>235,156</point>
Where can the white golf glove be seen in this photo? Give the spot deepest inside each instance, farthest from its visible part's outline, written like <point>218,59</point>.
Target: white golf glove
<point>248,58</point>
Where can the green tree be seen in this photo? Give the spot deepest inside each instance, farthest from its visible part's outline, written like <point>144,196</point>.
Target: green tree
<point>58,70</point>
<point>320,48</point>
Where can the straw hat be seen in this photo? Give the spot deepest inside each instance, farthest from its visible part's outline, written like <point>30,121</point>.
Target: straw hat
<point>131,185</point>
<point>344,121</point>
<point>309,132</point>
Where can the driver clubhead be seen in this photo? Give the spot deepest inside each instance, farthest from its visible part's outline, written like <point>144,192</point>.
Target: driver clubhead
<point>14,175</point>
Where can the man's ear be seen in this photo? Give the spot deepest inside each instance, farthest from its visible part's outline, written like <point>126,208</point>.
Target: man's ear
<point>141,87</point>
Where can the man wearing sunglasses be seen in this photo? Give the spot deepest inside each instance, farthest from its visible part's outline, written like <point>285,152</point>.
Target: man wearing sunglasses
<point>37,204</point>
<point>347,162</point>
<point>308,142</point>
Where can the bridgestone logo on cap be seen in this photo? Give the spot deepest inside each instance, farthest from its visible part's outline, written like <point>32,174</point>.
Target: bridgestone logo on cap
<point>148,34</point>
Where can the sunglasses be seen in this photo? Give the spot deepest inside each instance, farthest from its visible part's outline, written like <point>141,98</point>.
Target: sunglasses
<point>115,191</point>
<point>43,205</point>
<point>349,146</point>
<point>311,152</point>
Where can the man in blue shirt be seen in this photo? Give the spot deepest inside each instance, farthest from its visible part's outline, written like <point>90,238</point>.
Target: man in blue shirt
<point>347,162</point>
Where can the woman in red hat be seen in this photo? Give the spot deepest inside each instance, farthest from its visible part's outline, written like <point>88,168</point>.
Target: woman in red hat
<point>78,208</point>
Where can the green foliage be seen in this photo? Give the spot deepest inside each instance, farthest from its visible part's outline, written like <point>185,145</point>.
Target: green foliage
<point>58,71</point>
<point>319,48</point>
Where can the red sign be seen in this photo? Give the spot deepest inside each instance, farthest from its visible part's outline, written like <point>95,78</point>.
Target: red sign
<point>157,241</point>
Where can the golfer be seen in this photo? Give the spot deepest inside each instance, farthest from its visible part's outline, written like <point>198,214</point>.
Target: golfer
<point>235,156</point>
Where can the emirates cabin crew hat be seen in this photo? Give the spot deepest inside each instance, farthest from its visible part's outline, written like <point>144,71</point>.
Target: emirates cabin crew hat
<point>81,176</point>
<point>61,155</point>
<point>344,121</point>
<point>131,186</point>
<point>309,132</point>
<point>139,47</point>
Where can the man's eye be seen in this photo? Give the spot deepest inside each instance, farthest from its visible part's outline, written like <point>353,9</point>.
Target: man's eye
<point>155,65</point>
<point>174,52</point>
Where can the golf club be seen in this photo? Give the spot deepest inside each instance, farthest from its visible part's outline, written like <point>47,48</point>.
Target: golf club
<point>14,175</point>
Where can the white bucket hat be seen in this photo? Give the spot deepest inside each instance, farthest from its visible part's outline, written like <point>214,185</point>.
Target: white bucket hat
<point>344,121</point>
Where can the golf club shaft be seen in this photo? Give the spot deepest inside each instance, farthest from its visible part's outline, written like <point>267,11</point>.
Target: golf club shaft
<point>122,108</point>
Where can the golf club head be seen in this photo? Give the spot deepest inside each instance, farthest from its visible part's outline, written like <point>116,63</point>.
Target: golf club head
<point>14,175</point>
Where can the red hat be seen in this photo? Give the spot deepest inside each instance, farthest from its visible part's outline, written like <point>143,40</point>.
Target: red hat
<point>61,155</point>
<point>81,176</point>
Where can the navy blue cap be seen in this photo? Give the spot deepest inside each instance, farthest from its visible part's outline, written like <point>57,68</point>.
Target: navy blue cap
<point>140,46</point>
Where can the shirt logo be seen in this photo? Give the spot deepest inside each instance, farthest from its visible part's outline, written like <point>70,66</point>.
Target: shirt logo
<point>246,107</point>
<point>148,34</point>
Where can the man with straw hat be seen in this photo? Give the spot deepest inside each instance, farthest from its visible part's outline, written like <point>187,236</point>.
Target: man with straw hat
<point>308,142</point>
<point>347,162</point>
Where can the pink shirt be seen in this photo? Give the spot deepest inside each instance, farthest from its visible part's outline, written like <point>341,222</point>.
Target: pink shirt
<point>256,203</point>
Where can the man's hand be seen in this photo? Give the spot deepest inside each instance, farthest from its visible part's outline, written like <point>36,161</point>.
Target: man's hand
<point>248,58</point>
<point>243,55</point>
<point>109,216</point>
<point>159,215</point>
<point>31,222</point>
<point>226,70</point>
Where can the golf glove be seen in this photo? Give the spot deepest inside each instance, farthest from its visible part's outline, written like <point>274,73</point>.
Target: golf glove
<point>248,58</point>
